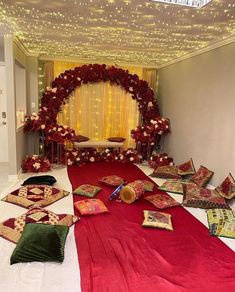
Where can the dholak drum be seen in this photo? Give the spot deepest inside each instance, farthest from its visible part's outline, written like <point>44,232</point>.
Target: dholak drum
<point>132,192</point>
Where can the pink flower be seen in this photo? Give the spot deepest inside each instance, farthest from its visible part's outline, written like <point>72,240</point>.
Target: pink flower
<point>36,165</point>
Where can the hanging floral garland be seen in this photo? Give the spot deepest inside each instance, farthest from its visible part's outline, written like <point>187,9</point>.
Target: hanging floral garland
<point>53,98</point>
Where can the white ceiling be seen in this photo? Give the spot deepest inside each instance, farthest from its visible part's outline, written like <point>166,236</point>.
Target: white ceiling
<point>130,31</point>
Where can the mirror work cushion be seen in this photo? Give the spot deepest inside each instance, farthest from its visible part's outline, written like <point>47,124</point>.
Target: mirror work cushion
<point>148,185</point>
<point>186,168</point>
<point>35,196</point>
<point>157,220</point>
<point>172,186</point>
<point>40,243</point>
<point>112,180</point>
<point>40,180</point>
<point>87,190</point>
<point>162,201</point>
<point>195,196</point>
<point>221,222</point>
<point>227,188</point>
<point>167,171</point>
<point>90,207</point>
<point>202,176</point>
<point>12,228</point>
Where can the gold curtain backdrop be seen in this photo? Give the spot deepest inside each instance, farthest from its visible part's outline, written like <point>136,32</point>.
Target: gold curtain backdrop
<point>101,110</point>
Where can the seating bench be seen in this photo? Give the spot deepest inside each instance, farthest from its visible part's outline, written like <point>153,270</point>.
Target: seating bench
<point>98,144</point>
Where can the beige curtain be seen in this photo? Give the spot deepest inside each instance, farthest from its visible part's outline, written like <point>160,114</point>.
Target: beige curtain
<point>48,73</point>
<point>150,75</point>
<point>101,110</point>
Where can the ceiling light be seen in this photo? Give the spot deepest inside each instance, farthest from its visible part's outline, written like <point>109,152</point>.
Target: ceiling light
<point>191,3</point>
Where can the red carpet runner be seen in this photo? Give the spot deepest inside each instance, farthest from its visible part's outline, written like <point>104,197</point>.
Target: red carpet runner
<point>116,254</point>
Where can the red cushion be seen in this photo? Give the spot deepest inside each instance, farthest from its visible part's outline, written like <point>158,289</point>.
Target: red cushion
<point>80,138</point>
<point>116,139</point>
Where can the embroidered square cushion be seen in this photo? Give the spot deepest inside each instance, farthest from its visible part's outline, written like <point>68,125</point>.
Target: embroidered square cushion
<point>227,188</point>
<point>35,196</point>
<point>167,171</point>
<point>12,228</point>
<point>112,180</point>
<point>148,185</point>
<point>87,190</point>
<point>186,168</point>
<point>195,196</point>
<point>40,243</point>
<point>157,220</point>
<point>202,176</point>
<point>162,201</point>
<point>172,186</point>
<point>91,207</point>
<point>40,180</point>
<point>116,139</point>
<point>221,222</point>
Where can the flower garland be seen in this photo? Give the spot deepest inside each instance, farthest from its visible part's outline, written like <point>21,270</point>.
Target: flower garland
<point>36,163</point>
<point>75,157</point>
<point>53,98</point>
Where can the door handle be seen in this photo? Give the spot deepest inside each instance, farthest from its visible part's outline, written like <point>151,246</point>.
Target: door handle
<point>4,123</point>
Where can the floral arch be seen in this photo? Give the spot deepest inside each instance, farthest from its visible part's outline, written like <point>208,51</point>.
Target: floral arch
<point>45,121</point>
<point>53,98</point>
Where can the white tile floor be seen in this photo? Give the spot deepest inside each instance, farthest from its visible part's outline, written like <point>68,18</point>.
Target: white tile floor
<point>4,182</point>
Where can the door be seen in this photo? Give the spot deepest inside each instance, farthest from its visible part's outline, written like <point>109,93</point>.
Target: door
<point>3,117</point>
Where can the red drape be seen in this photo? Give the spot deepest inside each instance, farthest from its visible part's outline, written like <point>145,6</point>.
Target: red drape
<point>116,254</point>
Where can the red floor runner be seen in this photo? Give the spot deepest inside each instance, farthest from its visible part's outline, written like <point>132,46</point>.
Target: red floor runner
<point>116,254</point>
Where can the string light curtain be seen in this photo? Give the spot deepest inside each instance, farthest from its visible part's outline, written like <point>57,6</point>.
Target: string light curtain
<point>101,110</point>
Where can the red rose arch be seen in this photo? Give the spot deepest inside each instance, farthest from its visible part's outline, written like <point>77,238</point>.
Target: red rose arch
<point>53,98</point>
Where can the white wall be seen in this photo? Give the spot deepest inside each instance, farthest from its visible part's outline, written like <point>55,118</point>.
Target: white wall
<point>20,94</point>
<point>32,99</point>
<point>198,95</point>
<point>16,137</point>
<point>2,58</point>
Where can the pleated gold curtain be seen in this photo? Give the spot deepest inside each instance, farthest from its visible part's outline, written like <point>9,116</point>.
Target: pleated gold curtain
<point>102,110</point>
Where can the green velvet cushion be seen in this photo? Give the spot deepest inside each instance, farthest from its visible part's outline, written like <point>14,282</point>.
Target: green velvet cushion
<point>40,243</point>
